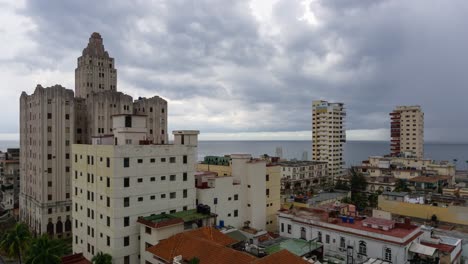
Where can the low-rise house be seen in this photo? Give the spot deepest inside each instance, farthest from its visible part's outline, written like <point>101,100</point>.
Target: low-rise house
<point>209,245</point>
<point>449,209</point>
<point>359,239</point>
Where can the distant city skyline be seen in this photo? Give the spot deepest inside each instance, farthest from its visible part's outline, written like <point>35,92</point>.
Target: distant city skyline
<point>249,70</point>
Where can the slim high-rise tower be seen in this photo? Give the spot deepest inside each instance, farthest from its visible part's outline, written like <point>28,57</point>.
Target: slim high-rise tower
<point>407,131</point>
<point>46,136</point>
<point>328,135</point>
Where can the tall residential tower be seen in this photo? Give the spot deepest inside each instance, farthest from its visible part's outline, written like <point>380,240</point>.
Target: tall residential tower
<point>328,135</point>
<point>407,130</point>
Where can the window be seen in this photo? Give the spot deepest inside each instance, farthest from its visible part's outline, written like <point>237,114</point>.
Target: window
<point>128,121</point>
<point>126,162</point>
<point>327,239</point>
<point>108,182</point>
<point>108,241</point>
<point>172,195</point>
<point>126,182</point>
<point>388,254</point>
<point>215,201</point>
<point>152,160</point>
<point>342,242</point>
<point>140,199</point>
<point>140,160</point>
<point>108,221</point>
<point>153,179</point>
<point>163,178</point>
<point>163,196</point>
<point>289,229</point>
<point>267,177</point>
<point>362,248</point>
<point>236,197</point>
<point>172,178</point>
<point>140,180</point>
<point>236,213</point>
<point>172,160</point>
<point>108,162</point>
<point>108,201</point>
<point>49,197</point>
<point>184,176</point>
<point>185,159</point>
<point>319,237</point>
<point>282,227</point>
<point>49,115</point>
<point>126,221</point>
<point>185,193</point>
<point>126,202</point>
<point>152,197</point>
<point>303,233</point>
<point>126,241</point>
<point>148,230</point>
<point>163,159</point>
<point>267,191</point>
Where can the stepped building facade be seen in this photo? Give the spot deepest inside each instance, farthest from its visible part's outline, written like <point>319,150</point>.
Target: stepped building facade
<point>52,119</point>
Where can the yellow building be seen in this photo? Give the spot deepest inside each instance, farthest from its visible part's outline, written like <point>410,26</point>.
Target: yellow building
<point>404,205</point>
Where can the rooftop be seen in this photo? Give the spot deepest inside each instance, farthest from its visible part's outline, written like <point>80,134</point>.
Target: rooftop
<point>299,163</point>
<point>162,220</point>
<point>430,179</point>
<point>298,247</point>
<point>282,256</point>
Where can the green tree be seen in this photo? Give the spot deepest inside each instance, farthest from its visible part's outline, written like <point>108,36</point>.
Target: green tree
<point>45,250</point>
<point>358,181</point>
<point>194,260</point>
<point>102,258</point>
<point>401,186</point>
<point>15,241</point>
<point>373,200</point>
<point>341,185</point>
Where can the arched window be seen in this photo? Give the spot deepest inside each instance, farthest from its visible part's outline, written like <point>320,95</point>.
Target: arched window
<point>303,233</point>
<point>388,254</point>
<point>68,225</point>
<point>362,248</point>
<point>59,227</point>
<point>50,229</point>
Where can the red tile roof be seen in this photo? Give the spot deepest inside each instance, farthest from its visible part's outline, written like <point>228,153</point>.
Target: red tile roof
<point>282,256</point>
<point>441,247</point>
<point>207,244</point>
<point>75,259</point>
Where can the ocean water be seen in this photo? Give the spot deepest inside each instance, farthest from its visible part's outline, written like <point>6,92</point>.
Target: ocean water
<point>354,151</point>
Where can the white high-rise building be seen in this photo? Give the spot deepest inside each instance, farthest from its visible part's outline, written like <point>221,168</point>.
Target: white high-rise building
<point>407,131</point>
<point>46,134</point>
<point>328,135</point>
<point>119,178</point>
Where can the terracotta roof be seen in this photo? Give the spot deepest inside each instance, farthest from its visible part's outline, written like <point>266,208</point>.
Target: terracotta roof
<point>378,221</point>
<point>441,247</point>
<point>75,259</point>
<point>429,178</point>
<point>207,244</point>
<point>282,256</point>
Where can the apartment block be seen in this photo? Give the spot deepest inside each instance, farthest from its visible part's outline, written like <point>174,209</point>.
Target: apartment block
<point>9,179</point>
<point>52,119</point>
<point>155,110</point>
<point>328,135</point>
<point>260,184</point>
<point>407,131</point>
<point>302,176</point>
<point>119,178</point>
<point>46,134</point>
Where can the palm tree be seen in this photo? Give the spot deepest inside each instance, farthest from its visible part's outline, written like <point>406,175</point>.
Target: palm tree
<point>102,258</point>
<point>45,250</point>
<point>15,241</point>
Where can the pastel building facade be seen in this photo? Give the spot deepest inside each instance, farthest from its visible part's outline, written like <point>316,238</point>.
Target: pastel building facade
<point>407,130</point>
<point>118,180</point>
<point>328,135</point>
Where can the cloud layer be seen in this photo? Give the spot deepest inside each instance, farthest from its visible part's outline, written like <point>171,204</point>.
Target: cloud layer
<point>245,67</point>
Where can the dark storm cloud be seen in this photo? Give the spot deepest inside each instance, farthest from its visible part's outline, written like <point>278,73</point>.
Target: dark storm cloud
<point>369,54</point>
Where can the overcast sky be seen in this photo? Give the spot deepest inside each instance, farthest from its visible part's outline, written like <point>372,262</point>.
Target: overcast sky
<point>250,69</point>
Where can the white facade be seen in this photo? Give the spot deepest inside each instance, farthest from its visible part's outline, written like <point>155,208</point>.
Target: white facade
<point>328,135</point>
<point>113,185</point>
<point>407,130</point>
<point>222,194</point>
<point>302,175</point>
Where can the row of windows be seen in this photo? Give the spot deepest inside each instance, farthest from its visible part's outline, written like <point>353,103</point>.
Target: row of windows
<point>126,161</point>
